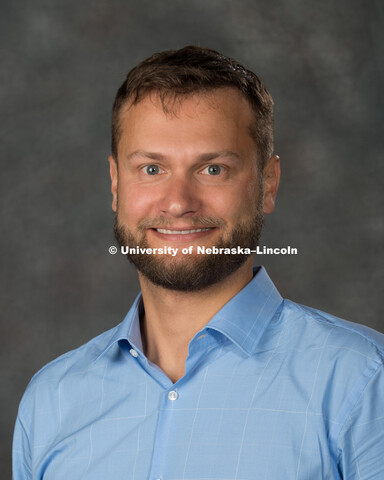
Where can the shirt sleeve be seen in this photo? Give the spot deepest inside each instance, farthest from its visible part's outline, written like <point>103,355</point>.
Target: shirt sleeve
<point>361,441</point>
<point>21,454</point>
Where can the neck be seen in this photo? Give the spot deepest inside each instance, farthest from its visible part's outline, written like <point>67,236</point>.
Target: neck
<point>172,318</point>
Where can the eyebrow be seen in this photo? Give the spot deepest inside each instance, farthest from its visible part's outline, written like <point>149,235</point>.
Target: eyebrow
<point>204,157</point>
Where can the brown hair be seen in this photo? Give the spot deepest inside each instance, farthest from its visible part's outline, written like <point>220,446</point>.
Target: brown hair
<point>194,69</point>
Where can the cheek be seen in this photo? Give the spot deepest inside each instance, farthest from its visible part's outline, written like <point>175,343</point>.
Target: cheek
<point>235,203</point>
<point>134,203</point>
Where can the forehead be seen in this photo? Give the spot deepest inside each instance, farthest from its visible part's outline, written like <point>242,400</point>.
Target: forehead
<point>220,115</point>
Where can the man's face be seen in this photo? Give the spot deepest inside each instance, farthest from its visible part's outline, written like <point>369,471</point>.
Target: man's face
<point>187,178</point>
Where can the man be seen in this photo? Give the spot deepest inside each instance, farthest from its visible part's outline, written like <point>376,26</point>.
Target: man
<point>211,375</point>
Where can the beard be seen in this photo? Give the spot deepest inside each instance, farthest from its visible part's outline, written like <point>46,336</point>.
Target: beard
<point>189,273</point>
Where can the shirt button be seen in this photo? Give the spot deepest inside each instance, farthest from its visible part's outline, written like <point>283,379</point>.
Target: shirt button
<point>173,395</point>
<point>133,353</point>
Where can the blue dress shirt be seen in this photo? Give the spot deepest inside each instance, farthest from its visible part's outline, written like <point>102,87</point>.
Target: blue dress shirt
<point>272,390</point>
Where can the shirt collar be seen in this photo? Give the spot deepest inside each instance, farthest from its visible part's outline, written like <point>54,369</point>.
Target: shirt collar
<point>246,316</point>
<point>129,329</point>
<point>242,320</point>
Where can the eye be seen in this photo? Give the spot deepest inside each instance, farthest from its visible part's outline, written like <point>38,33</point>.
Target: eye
<point>152,169</point>
<point>212,170</point>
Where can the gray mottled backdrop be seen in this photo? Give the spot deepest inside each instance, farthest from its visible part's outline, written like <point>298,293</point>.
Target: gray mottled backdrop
<point>61,63</point>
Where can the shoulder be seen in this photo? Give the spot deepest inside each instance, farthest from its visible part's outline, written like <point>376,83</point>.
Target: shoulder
<point>337,358</point>
<point>318,328</point>
<point>337,364</point>
<point>45,384</point>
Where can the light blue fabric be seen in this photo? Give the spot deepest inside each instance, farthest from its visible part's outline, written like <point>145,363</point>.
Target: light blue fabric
<point>273,390</point>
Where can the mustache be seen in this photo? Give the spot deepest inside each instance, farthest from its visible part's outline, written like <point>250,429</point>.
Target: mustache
<point>197,221</point>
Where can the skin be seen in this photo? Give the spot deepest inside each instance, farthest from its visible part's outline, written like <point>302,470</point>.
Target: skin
<point>200,131</point>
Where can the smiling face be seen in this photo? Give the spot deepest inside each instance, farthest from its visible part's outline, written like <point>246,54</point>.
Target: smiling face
<point>189,178</point>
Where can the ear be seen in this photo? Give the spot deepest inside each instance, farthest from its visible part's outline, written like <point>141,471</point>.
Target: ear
<point>114,178</point>
<point>271,179</point>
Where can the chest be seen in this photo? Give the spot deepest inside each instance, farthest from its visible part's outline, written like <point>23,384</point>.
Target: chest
<point>231,420</point>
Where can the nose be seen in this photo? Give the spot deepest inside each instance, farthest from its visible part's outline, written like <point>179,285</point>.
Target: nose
<point>180,197</point>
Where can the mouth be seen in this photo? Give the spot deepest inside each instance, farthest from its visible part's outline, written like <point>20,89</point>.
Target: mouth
<point>181,232</point>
